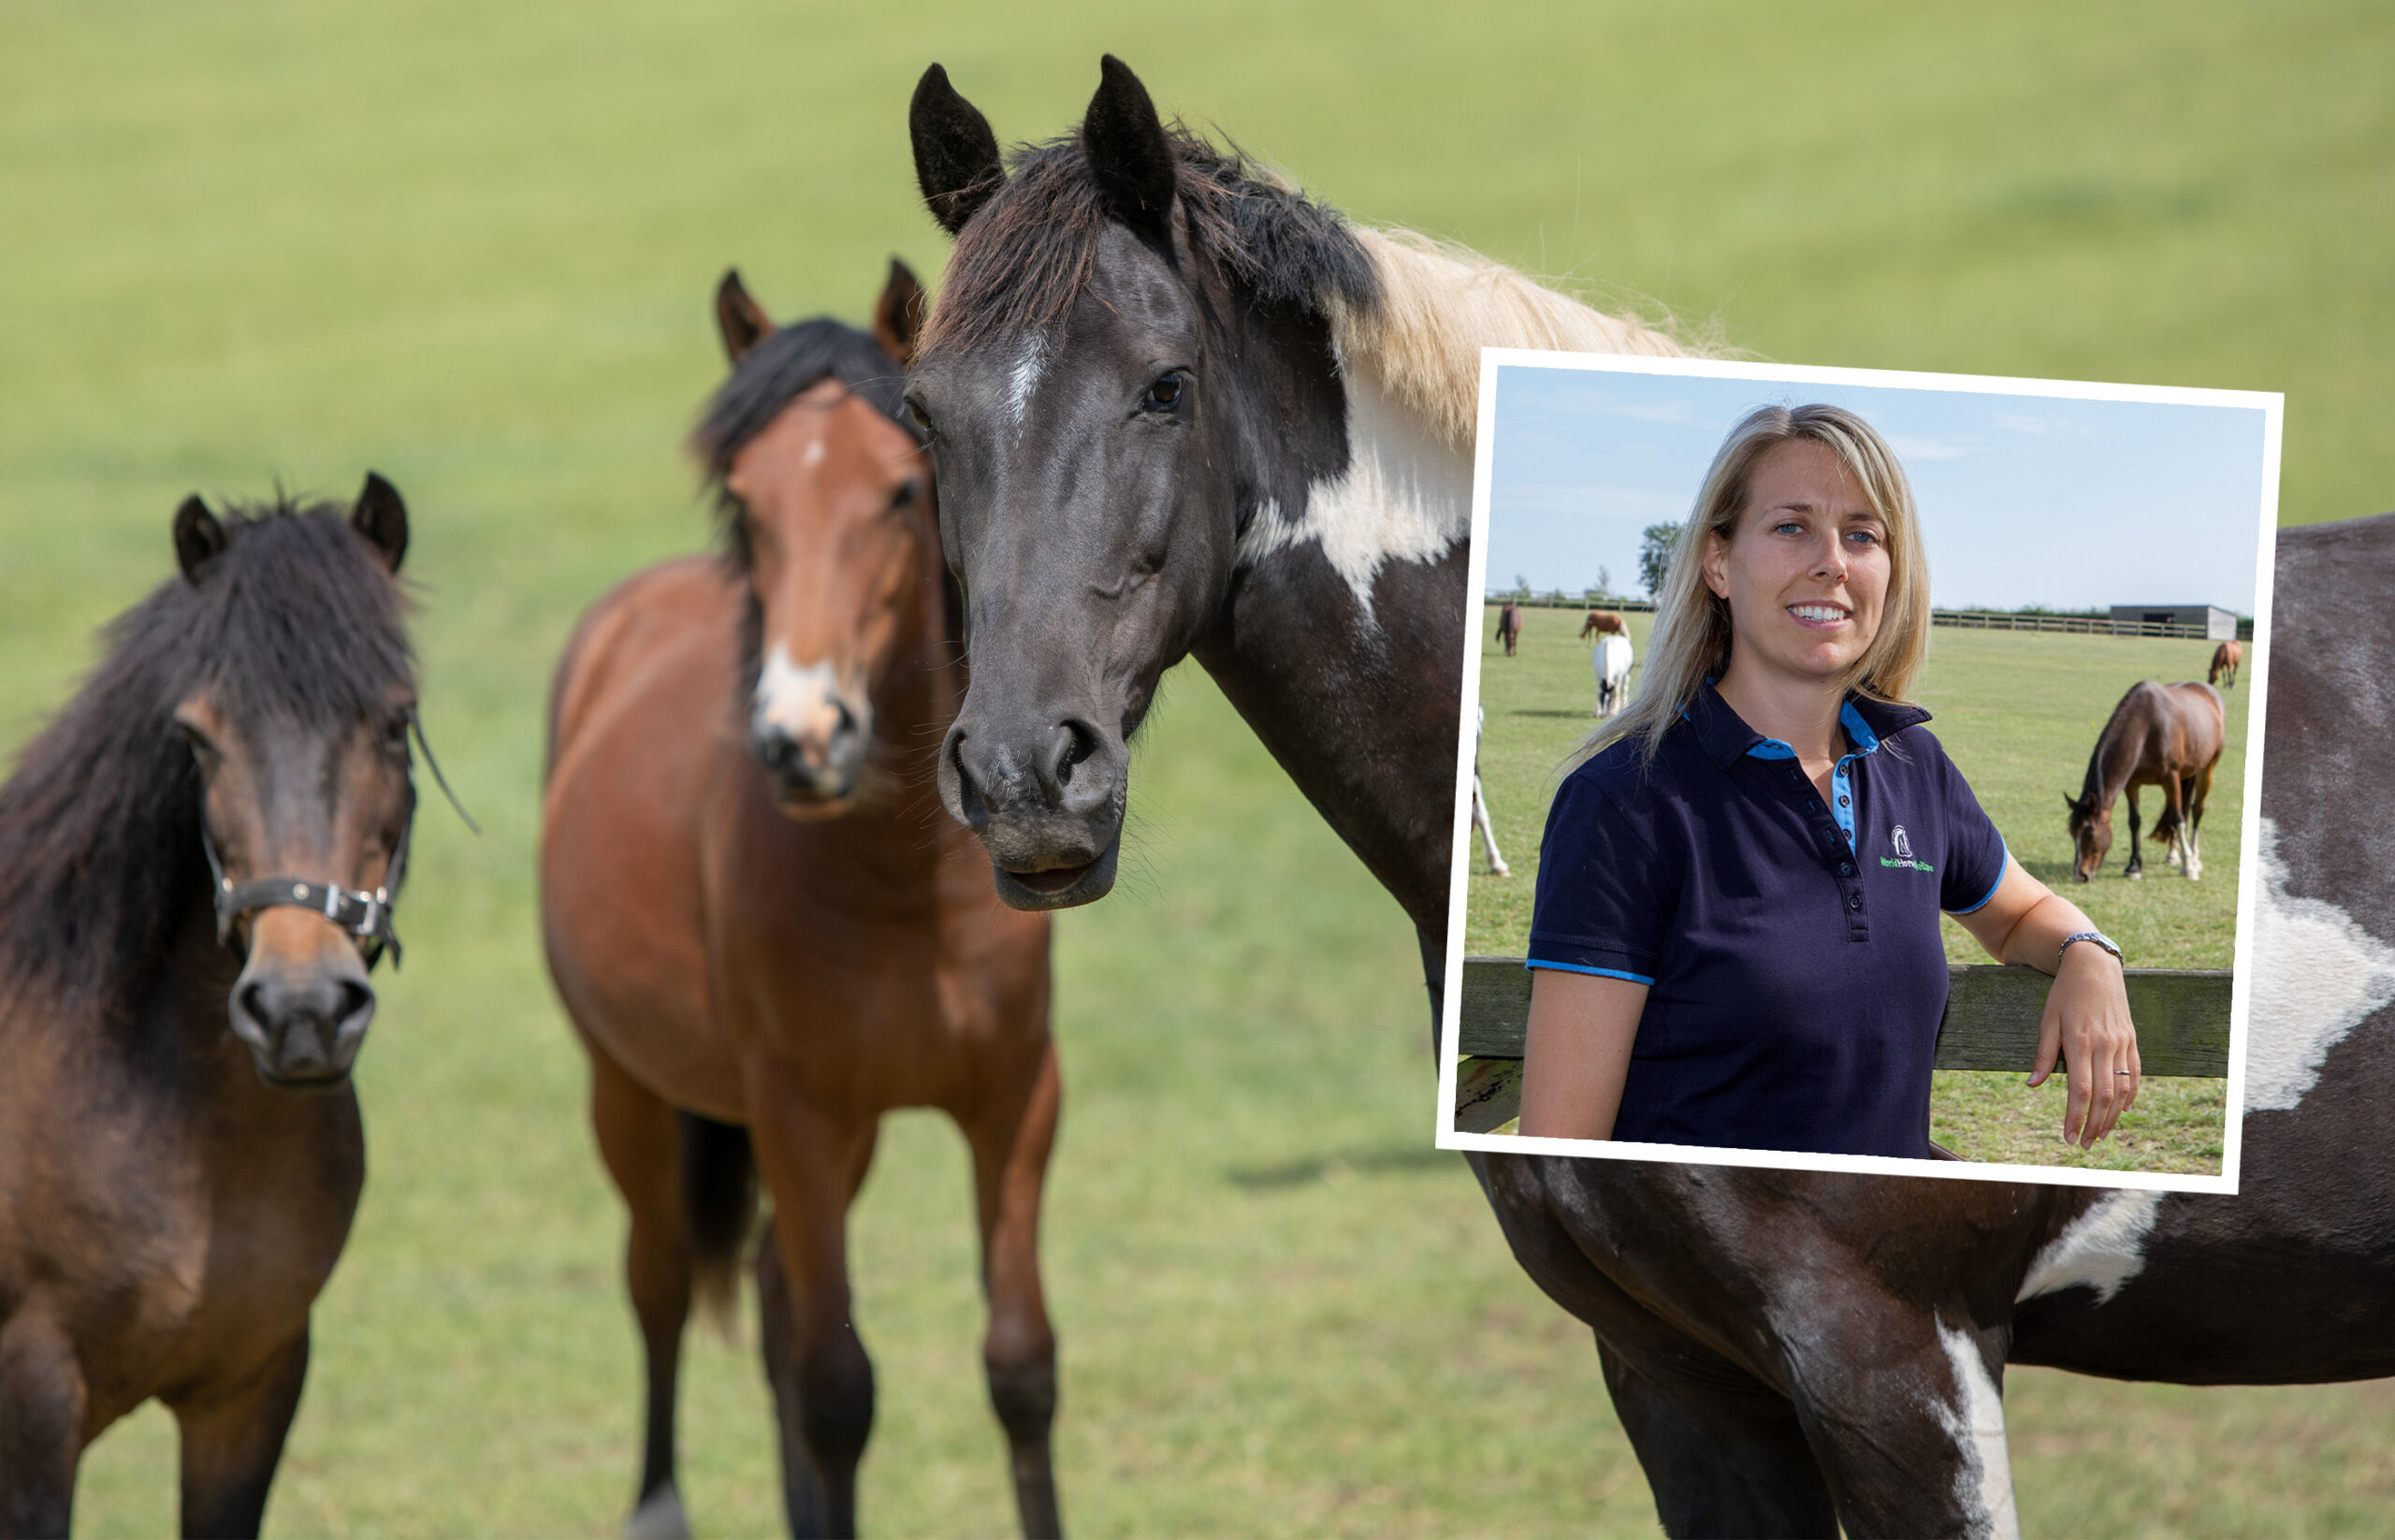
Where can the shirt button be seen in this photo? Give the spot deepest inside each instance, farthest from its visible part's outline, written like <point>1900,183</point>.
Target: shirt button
<point>1841,802</point>
<point>1846,868</point>
<point>1854,901</point>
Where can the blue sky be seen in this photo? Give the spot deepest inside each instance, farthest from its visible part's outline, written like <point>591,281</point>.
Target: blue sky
<point>2025,499</point>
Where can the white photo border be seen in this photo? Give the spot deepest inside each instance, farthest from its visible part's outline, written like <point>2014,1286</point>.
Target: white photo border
<point>2272,404</point>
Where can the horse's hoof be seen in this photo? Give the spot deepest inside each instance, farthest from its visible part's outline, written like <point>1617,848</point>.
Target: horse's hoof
<point>1500,870</point>
<point>2134,875</point>
<point>659,1517</point>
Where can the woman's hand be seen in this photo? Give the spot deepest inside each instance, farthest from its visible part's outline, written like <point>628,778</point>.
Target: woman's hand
<point>2087,1023</point>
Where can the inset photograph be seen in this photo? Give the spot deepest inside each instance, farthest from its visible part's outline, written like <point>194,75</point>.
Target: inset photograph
<point>1855,770</point>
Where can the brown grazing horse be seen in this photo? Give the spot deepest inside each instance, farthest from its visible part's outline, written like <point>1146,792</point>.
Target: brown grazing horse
<point>758,915</point>
<point>197,861</point>
<point>2165,735</point>
<point>2226,660</point>
<point>1509,626</point>
<point>1602,623</point>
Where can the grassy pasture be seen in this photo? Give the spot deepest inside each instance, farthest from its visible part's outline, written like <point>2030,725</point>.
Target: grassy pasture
<point>471,246</point>
<point>2019,712</point>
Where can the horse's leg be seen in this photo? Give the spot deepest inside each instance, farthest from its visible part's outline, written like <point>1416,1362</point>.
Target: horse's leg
<point>42,1398</point>
<point>1011,1134</point>
<point>1488,833</point>
<point>2174,809</point>
<point>1905,1415</point>
<point>823,1380</point>
<point>2136,861</point>
<point>2201,789</point>
<point>642,1148</point>
<point>232,1442</point>
<point>1720,1462</point>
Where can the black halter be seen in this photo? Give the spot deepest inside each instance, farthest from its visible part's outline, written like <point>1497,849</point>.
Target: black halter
<point>365,915</point>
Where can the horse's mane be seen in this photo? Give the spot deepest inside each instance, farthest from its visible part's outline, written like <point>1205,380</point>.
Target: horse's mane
<point>1411,311</point>
<point>772,375</point>
<point>100,823</point>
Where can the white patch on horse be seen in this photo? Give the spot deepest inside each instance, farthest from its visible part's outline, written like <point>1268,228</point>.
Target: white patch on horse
<point>1983,1482</point>
<point>2317,977</point>
<point>801,699</point>
<point>1405,495</point>
<point>814,455</point>
<point>2102,1249</point>
<point>1030,363</point>
<point>1612,660</point>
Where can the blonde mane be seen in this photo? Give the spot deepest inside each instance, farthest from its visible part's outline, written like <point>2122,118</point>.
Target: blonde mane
<point>1439,305</point>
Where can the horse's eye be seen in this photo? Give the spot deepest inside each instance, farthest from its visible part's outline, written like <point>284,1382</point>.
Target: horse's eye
<point>395,731</point>
<point>1165,394</point>
<point>923,418</point>
<point>202,749</point>
<point>908,491</point>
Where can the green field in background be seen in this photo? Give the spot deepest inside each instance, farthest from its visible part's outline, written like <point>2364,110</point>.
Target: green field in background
<point>472,247</point>
<point>2019,712</point>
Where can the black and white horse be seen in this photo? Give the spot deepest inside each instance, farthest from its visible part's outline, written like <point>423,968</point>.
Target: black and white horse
<point>1179,409</point>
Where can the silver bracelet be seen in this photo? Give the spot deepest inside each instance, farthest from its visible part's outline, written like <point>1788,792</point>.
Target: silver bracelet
<point>2096,935</point>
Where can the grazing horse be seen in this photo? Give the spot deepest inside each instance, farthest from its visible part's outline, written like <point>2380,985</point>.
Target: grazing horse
<point>1602,623</point>
<point>2165,735</point>
<point>1178,408</point>
<point>1509,626</point>
<point>1612,660</point>
<point>2226,660</point>
<point>197,861</point>
<point>757,917</point>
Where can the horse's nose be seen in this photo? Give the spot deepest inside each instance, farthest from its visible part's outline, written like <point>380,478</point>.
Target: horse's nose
<point>820,760</point>
<point>1049,774</point>
<point>304,1023</point>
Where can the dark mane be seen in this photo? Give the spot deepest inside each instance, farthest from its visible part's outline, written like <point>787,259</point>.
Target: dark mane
<point>99,824</point>
<point>770,375</point>
<point>1028,252</point>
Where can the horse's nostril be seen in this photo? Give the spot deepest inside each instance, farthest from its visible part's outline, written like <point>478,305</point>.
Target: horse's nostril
<point>1080,742</point>
<point>357,999</point>
<point>252,998</point>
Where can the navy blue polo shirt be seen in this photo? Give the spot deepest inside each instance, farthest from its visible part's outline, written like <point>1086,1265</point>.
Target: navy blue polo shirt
<point>1795,974</point>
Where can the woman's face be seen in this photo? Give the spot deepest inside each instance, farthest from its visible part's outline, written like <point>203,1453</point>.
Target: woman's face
<point>1807,573</point>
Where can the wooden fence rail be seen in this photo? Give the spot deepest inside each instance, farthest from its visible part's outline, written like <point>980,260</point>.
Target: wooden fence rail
<point>1968,620</point>
<point>1992,1016</point>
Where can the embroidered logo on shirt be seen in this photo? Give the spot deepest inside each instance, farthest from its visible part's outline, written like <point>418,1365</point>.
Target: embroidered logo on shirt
<point>1898,837</point>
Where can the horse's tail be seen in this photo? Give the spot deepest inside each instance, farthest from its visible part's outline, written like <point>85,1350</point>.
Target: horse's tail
<point>719,1201</point>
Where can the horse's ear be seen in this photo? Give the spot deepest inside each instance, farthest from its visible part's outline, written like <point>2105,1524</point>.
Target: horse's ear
<point>956,155</point>
<point>898,314</point>
<point>381,517</point>
<point>1127,149</point>
<point>199,538</point>
<point>743,321</point>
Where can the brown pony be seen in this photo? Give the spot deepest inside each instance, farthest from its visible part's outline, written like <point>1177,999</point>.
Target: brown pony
<point>1509,626</point>
<point>2165,735</point>
<point>758,915</point>
<point>1602,623</point>
<point>197,861</point>
<point>2225,660</point>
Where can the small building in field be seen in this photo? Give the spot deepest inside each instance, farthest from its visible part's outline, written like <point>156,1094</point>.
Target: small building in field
<point>2210,621</point>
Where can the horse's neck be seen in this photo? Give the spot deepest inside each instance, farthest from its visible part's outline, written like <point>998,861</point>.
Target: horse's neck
<point>1341,638</point>
<point>2108,767</point>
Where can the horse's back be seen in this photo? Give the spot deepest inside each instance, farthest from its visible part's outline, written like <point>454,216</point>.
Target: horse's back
<point>640,726</point>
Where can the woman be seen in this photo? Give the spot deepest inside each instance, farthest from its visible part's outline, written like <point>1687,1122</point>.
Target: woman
<point>1735,940</point>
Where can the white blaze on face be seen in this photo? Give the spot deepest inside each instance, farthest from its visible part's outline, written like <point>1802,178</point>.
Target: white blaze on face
<point>2102,1249</point>
<point>1983,1482</point>
<point>1405,495</point>
<point>1023,378</point>
<point>2317,977</point>
<point>801,699</point>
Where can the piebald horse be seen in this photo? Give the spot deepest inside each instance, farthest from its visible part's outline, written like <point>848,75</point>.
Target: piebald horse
<point>197,863</point>
<point>758,916</point>
<point>2163,735</point>
<point>1180,409</point>
<point>1611,660</point>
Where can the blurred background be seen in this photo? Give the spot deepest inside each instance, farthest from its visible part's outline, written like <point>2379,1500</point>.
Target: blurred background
<point>472,246</point>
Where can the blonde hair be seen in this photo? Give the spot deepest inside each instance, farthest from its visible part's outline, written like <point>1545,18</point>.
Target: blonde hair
<point>1691,638</point>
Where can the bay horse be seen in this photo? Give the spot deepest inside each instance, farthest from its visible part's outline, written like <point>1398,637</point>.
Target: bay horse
<point>1509,626</point>
<point>758,918</point>
<point>1180,409</point>
<point>198,858</point>
<point>1612,661</point>
<point>2164,736</point>
<point>1602,623</point>
<point>2226,660</point>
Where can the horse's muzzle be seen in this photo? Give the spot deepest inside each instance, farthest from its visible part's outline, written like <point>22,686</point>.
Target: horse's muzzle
<point>304,1025</point>
<point>1049,812</point>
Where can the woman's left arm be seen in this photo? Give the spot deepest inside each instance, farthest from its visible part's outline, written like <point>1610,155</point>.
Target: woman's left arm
<point>2087,1010</point>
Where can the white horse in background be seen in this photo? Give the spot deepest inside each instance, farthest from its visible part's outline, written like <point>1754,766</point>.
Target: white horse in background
<point>1612,661</point>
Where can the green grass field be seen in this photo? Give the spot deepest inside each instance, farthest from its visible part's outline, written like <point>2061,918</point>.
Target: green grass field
<point>472,246</point>
<point>2019,713</point>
